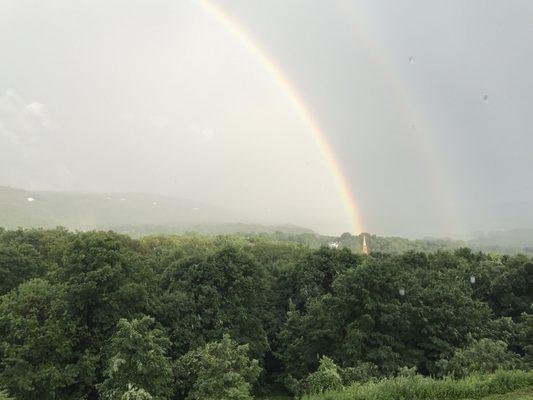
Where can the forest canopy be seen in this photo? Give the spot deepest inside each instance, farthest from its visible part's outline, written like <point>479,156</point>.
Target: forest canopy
<point>101,315</point>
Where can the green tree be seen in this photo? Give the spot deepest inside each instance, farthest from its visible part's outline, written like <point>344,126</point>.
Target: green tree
<point>18,263</point>
<point>524,339</point>
<point>306,335</point>
<point>137,357</point>
<point>219,371</point>
<point>38,355</point>
<point>222,293</point>
<point>315,273</point>
<point>4,395</point>
<point>104,280</point>
<point>136,394</point>
<point>511,291</point>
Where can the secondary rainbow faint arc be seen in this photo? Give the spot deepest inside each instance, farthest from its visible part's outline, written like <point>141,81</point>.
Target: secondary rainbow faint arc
<point>283,82</point>
<point>427,150</point>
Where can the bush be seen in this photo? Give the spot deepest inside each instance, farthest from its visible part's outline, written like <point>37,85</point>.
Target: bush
<point>483,356</point>
<point>362,372</point>
<point>326,378</point>
<point>407,372</point>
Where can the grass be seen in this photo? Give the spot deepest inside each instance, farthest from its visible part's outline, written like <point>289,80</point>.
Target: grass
<point>425,388</point>
<point>523,394</point>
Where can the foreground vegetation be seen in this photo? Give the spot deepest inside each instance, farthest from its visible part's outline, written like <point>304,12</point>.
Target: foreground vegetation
<point>423,388</point>
<point>101,315</point>
<point>522,394</point>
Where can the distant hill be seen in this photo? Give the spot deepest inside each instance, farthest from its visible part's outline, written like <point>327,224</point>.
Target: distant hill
<point>515,237</point>
<point>132,213</point>
<point>213,229</point>
<point>142,214</point>
<point>25,208</point>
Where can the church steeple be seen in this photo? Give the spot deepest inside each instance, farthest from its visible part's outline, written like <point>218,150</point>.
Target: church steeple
<point>365,247</point>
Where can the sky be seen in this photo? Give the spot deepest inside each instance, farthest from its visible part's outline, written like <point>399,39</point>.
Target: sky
<point>425,106</point>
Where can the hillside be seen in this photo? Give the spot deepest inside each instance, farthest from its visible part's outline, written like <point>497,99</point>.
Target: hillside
<point>143,214</point>
<point>84,211</point>
<point>132,213</point>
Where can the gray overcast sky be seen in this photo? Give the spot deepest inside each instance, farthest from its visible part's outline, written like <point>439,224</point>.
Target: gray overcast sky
<point>427,105</point>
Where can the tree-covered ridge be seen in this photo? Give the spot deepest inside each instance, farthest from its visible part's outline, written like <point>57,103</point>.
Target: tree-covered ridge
<point>101,315</point>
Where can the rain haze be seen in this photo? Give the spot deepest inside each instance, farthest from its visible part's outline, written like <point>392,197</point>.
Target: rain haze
<point>408,118</point>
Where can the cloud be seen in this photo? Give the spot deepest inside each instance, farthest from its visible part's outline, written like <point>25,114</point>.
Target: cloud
<point>27,150</point>
<point>159,121</point>
<point>205,134</point>
<point>8,135</point>
<point>35,108</point>
<point>37,112</point>
<point>22,122</point>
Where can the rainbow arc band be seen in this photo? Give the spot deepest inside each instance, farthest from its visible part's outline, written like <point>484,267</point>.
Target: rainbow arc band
<point>255,50</point>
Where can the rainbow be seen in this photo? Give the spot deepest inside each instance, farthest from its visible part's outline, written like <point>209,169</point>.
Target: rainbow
<point>346,194</point>
<point>440,182</point>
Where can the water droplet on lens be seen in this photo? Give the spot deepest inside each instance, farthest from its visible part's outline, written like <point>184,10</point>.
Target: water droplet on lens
<point>411,60</point>
<point>486,98</point>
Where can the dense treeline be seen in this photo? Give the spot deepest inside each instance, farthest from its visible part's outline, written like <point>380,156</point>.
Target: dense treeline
<point>100,315</point>
<point>505,242</point>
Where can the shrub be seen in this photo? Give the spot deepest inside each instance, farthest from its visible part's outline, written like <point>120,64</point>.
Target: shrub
<point>362,372</point>
<point>326,378</point>
<point>407,372</point>
<point>484,356</point>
